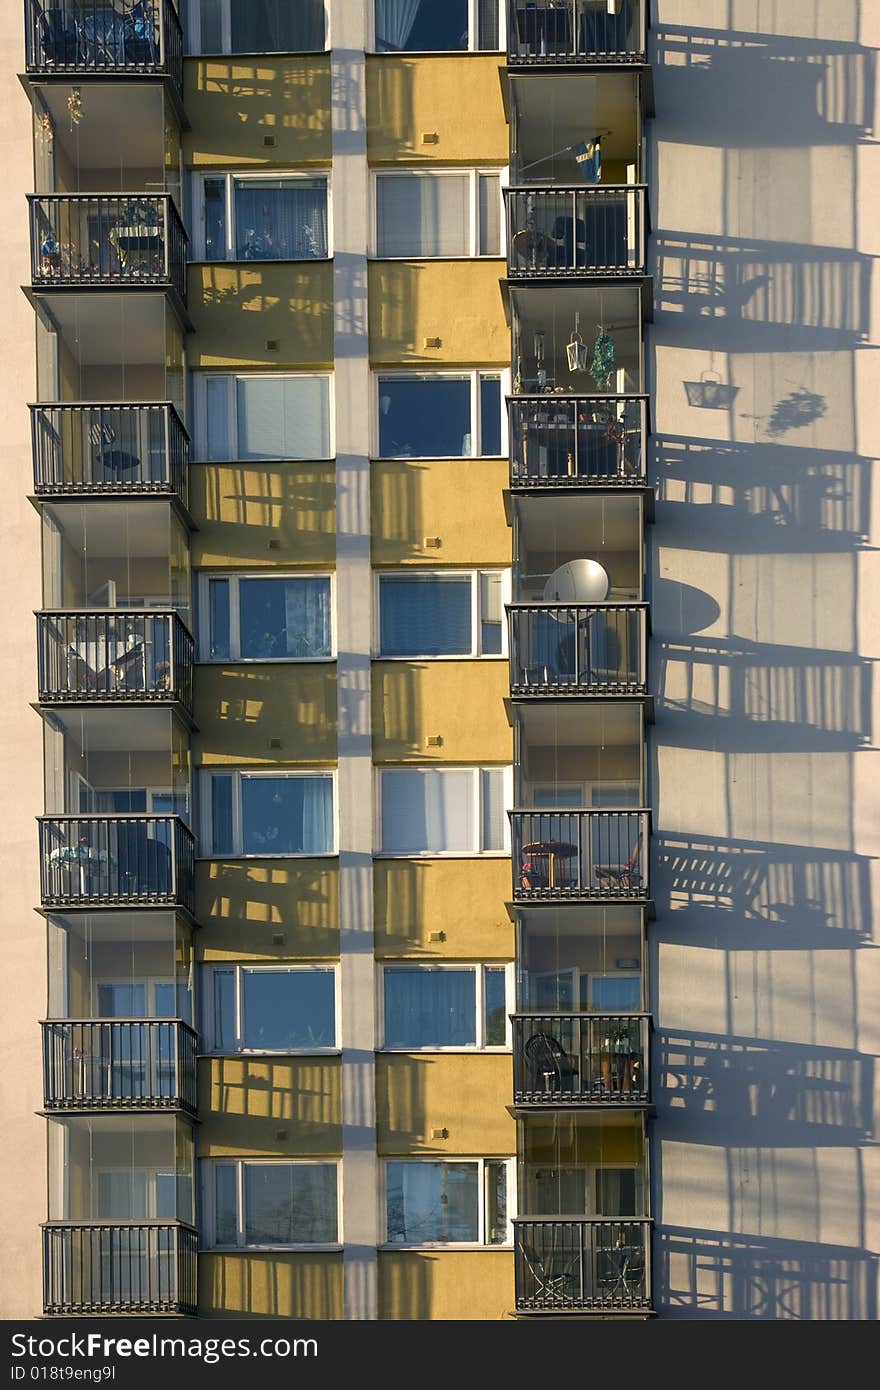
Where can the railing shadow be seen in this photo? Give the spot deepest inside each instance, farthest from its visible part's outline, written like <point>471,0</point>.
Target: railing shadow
<point>242,507</point>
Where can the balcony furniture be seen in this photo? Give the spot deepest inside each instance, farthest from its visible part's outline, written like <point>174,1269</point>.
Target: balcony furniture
<point>600,840</point>
<point>544,31</point>
<point>533,248</point>
<point>533,873</point>
<point>576,1060</point>
<point>586,1264</point>
<point>620,1272</point>
<point>625,876</point>
<point>125,858</point>
<point>552,1270</point>
<point>60,38</point>
<point>549,1061</point>
<point>601,32</point>
<point>570,242</point>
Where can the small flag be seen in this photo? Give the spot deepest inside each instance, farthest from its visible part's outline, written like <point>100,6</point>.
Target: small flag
<point>588,157</point>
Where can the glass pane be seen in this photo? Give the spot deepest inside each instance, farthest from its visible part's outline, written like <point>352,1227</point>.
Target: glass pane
<point>224,1204</point>
<point>121,1001</point>
<point>425,615</point>
<point>491,614</point>
<point>417,26</point>
<point>428,811</point>
<point>490,415</point>
<point>423,214</point>
<point>615,993</point>
<point>287,1009</point>
<point>280,219</point>
<point>432,1202</point>
<point>618,1192</point>
<point>210,26</point>
<point>287,815</point>
<point>283,417</point>
<point>496,1203</point>
<point>488,24</point>
<point>221,815</point>
<point>495,1006</point>
<point>490,214</point>
<point>424,417</point>
<point>430,1007</point>
<point>290,1203</point>
<point>215,219</point>
<point>284,618</point>
<point>277,26</point>
<point>218,619</point>
<point>224,1009</point>
<point>217,418</point>
<point>493,817</point>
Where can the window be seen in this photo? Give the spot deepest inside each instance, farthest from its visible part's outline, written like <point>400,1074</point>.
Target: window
<point>257,26</point>
<point>267,813</point>
<point>260,618</point>
<point>426,26</point>
<point>438,214</point>
<point>437,1006</point>
<point>442,614</point>
<point>443,810</point>
<point>460,1202</point>
<point>261,416</point>
<point>442,415</point>
<point>256,1008</point>
<point>271,1203</point>
<point>261,217</point>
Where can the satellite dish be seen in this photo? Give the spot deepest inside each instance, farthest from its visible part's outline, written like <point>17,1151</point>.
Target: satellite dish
<point>579,581</point>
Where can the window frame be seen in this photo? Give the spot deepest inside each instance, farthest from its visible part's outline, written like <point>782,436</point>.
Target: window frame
<point>238,968</point>
<point>473,176</point>
<point>479,968</point>
<point>475,576</point>
<point>472,374</point>
<point>475,769</point>
<point>199,401</point>
<point>198,218</point>
<point>473,34</point>
<point>209,1213</point>
<point>509,1162</point>
<point>203,610</point>
<point>194,48</point>
<point>237,773</point>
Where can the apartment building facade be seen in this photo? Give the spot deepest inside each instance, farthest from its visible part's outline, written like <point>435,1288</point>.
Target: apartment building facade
<point>446,799</point>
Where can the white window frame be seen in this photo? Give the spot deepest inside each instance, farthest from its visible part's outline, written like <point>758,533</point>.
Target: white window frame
<point>476,769</point>
<point>473,33</point>
<point>231,176</point>
<point>204,578</point>
<point>208,1192</point>
<point>476,615</point>
<point>200,413</point>
<point>474,374</point>
<point>206,828</point>
<point>481,1243</point>
<point>473,177</point>
<point>238,968</point>
<point>194,48</point>
<point>479,968</point>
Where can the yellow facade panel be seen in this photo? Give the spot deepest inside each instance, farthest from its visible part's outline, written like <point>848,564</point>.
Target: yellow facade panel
<point>264,714</point>
<point>269,316</point>
<point>236,104</point>
<point>414,303</point>
<point>240,508</point>
<point>463,1093</point>
<point>439,511</point>
<point>269,909</point>
<point>441,712</point>
<point>476,1285</point>
<point>269,1107</point>
<point>453,97</point>
<point>270,1285</point>
<point>411,908</point>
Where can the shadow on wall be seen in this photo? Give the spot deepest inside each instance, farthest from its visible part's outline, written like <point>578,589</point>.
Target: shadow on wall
<point>276,95</point>
<point>263,1093</point>
<point>245,895</point>
<point>244,506</point>
<point>397,498</point>
<point>254,1284</point>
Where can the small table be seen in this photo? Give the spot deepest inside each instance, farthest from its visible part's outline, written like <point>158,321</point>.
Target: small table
<point>551,850</point>
<point>533,245</point>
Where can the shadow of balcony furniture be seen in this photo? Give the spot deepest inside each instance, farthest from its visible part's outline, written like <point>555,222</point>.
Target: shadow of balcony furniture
<point>551,1067</point>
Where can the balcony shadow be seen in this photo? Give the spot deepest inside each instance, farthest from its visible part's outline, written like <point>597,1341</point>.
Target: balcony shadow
<point>277,96</point>
<point>256,303</point>
<point>238,898</point>
<point>398,714</point>
<point>236,705</point>
<point>257,1095</point>
<point>397,502</point>
<point>254,1284</point>
<point>242,507</point>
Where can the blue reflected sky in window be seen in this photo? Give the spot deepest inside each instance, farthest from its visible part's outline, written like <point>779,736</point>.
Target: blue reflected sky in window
<point>416,26</point>
<point>287,815</point>
<point>425,615</point>
<point>432,1202</point>
<point>288,1009</point>
<point>427,1007</point>
<point>424,419</point>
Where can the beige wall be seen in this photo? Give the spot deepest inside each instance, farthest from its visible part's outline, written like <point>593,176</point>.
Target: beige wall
<point>411,301</point>
<point>475,1285</point>
<point>235,104</point>
<point>415,501</point>
<point>238,308</point>
<point>243,509</point>
<point>413,912</point>
<point>456,97</point>
<point>459,702</point>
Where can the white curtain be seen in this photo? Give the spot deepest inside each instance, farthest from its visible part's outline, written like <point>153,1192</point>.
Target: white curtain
<point>283,418</point>
<point>394,22</point>
<point>428,811</point>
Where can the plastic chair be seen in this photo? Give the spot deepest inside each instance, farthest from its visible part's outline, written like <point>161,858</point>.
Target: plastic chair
<point>550,1063</point>
<point>627,875</point>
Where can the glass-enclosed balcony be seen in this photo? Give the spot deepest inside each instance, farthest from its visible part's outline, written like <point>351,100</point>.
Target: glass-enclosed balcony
<point>589,855</point>
<point>577,232</point>
<point>575,130</point>
<point>117,965</point>
<point>563,441</point>
<point>136,861</point>
<point>104,38</point>
<point>578,649</point>
<point>114,657</point>
<point>550,32</point>
<point>132,240</point>
<point>580,959</point>
<point>110,450</point>
<point>119,1267</point>
<point>579,341</point>
<point>123,1064</point>
<point>583,1265</point>
<point>564,1060</point>
<point>578,548</point>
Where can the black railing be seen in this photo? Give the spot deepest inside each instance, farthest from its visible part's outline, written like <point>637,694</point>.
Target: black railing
<point>573,232</point>
<point>104,37</point>
<point>582,1264</point>
<point>103,861</point>
<point>559,441</point>
<point>595,854</point>
<point>580,1059</point>
<point>576,31</point>
<point>105,655</point>
<point>107,239</point>
<point>123,1064</point>
<point>121,449</point>
<point>119,1267</point>
<point>578,649</point>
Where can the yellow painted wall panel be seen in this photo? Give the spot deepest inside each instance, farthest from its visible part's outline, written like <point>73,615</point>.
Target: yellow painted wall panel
<point>233,104</point>
<point>237,308</point>
<point>464,1093</point>
<point>455,501</point>
<point>411,902</point>
<point>456,97</point>
<point>240,507</point>
<point>239,708</point>
<point>247,1103</point>
<point>270,1285</point>
<point>446,1284</point>
<point>458,302</point>
<point>459,702</point>
<point>243,904</point>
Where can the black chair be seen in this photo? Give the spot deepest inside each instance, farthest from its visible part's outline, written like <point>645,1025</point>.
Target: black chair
<point>570,235</point>
<point>601,32</point>
<point>143,864</point>
<point>59,38</point>
<point>552,1069</point>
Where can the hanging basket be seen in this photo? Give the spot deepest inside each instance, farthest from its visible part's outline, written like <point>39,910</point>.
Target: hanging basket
<point>576,351</point>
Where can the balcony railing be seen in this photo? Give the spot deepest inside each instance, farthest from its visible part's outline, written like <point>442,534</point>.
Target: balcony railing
<point>128,450</point>
<point>105,861</point>
<point>107,239</point>
<point>576,232</point>
<point>578,649</point>
<point>123,1064</point>
<point>119,1267</point>
<point>107,656</point>
<point>580,1059</point>
<point>576,31</point>
<point>104,37</point>
<point>582,855</point>
<point>561,441</point>
<point>582,1264</point>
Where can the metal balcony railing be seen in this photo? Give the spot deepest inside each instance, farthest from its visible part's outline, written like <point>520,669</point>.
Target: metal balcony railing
<point>576,232</point>
<point>104,37</point>
<point>106,656</point>
<point>129,450</point>
<point>582,1264</point>
<point>114,239</point>
<point>583,855</point>
<point>560,441</point>
<point>578,649</point>
<point>547,32</point>
<point>119,1267</point>
<point>564,1060</point>
<point>119,1064</point>
<point>104,861</point>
